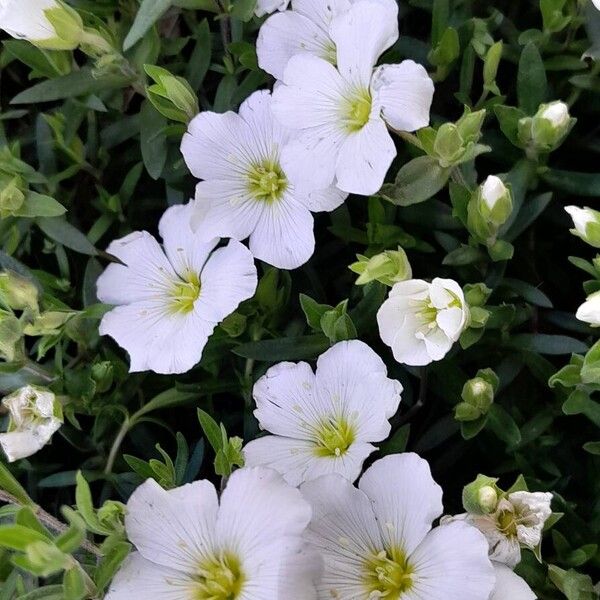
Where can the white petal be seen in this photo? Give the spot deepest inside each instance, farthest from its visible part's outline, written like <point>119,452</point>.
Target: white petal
<point>267,134</point>
<point>324,200</point>
<point>21,444</point>
<point>211,146</point>
<point>173,528</point>
<point>257,508</point>
<point>361,35</point>
<point>509,586</point>
<point>156,338</point>
<point>451,321</point>
<point>186,251</point>
<point>405,92</point>
<point>452,562</point>
<point>344,530</point>
<point>438,344</point>
<point>224,209</point>
<point>353,381</point>
<point>284,235</point>
<point>140,578</point>
<point>285,399</point>
<point>228,278</point>
<point>147,273</point>
<point>405,498</point>
<point>265,7</point>
<point>287,34</point>
<point>364,159</point>
<point>322,12</point>
<point>26,19</point>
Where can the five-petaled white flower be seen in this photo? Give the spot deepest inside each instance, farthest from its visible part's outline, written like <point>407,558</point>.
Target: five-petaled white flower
<point>517,522</point>
<point>37,21</point>
<point>169,300</point>
<point>35,415</point>
<point>323,422</point>
<point>420,321</point>
<point>189,545</point>
<point>341,113</point>
<point>377,541</point>
<point>266,7</point>
<point>246,192</point>
<point>509,586</point>
<point>305,28</point>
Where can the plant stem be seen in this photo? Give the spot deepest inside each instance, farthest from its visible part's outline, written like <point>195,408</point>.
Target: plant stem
<point>225,25</point>
<point>416,407</point>
<point>50,521</point>
<point>114,450</point>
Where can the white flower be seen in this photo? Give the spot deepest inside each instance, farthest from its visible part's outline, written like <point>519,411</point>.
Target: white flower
<point>596,3</point>
<point>169,300</point>
<point>266,7</point>
<point>45,23</point>
<point>587,224</point>
<point>377,541</point>
<point>305,28</point>
<point>341,113</point>
<point>557,113</point>
<point>509,586</point>
<point>35,414</point>
<point>189,545</point>
<point>517,522</point>
<point>420,321</point>
<point>323,422</point>
<point>589,311</point>
<point>492,190</point>
<point>246,192</point>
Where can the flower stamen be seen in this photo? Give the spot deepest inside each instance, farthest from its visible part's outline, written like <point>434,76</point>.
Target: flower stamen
<point>219,578</point>
<point>267,181</point>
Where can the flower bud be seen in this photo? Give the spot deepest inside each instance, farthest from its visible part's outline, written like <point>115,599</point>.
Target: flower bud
<point>489,208</point>
<point>548,128</point>
<point>48,323</point>
<point>481,496</point>
<point>172,96</point>
<point>389,267</point>
<point>449,145</point>
<point>469,125</point>
<point>587,224</point>
<point>48,24</point>
<point>589,311</point>
<point>103,375</point>
<point>11,196</point>
<point>16,292</point>
<point>11,333</point>
<point>477,395</point>
<point>35,414</point>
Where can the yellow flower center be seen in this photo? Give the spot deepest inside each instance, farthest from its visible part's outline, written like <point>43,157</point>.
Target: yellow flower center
<point>267,181</point>
<point>388,575</point>
<point>334,437</point>
<point>185,293</point>
<point>219,578</point>
<point>358,110</point>
<point>507,523</point>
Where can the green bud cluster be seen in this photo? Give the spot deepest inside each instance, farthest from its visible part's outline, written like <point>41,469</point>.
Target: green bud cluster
<point>477,396</point>
<point>388,267</point>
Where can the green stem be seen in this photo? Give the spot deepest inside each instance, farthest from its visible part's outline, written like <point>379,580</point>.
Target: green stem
<point>128,423</point>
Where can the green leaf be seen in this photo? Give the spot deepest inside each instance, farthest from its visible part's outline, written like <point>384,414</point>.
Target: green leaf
<point>78,83</point>
<point>592,448</point>
<point>531,79</point>
<point>243,9</point>
<point>64,233</point>
<point>580,403</point>
<point>110,564</point>
<point>167,399</point>
<point>508,119</point>
<point>572,182</point>
<point>153,140</point>
<point>211,430</point>
<point>417,181</point>
<point>74,584</point>
<point>39,205</point>
<point>18,537</point>
<point>293,348</point>
<point>48,592</point>
<point>313,311</point>
<point>547,344</point>
<point>503,425</point>
<point>9,484</point>
<point>150,12</point>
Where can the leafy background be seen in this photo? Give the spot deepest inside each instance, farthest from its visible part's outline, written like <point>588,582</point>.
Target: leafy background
<point>86,134</point>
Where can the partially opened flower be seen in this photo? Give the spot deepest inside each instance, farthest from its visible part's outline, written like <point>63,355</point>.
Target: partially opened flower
<point>50,24</point>
<point>420,321</point>
<point>341,113</point>
<point>190,545</point>
<point>323,422</point>
<point>589,311</point>
<point>266,7</point>
<point>509,586</point>
<point>169,300</point>
<point>35,415</point>
<point>246,192</point>
<point>377,540</point>
<point>587,224</point>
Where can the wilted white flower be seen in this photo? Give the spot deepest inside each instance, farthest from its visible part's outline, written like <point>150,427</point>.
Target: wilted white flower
<point>323,422</point>
<point>246,192</point>
<point>169,300</point>
<point>589,311</point>
<point>509,586</point>
<point>190,545</point>
<point>420,321</point>
<point>341,113</point>
<point>305,28</point>
<point>35,415</point>
<point>517,522</point>
<point>266,7</point>
<point>46,23</point>
<point>587,224</point>
<point>377,541</point>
